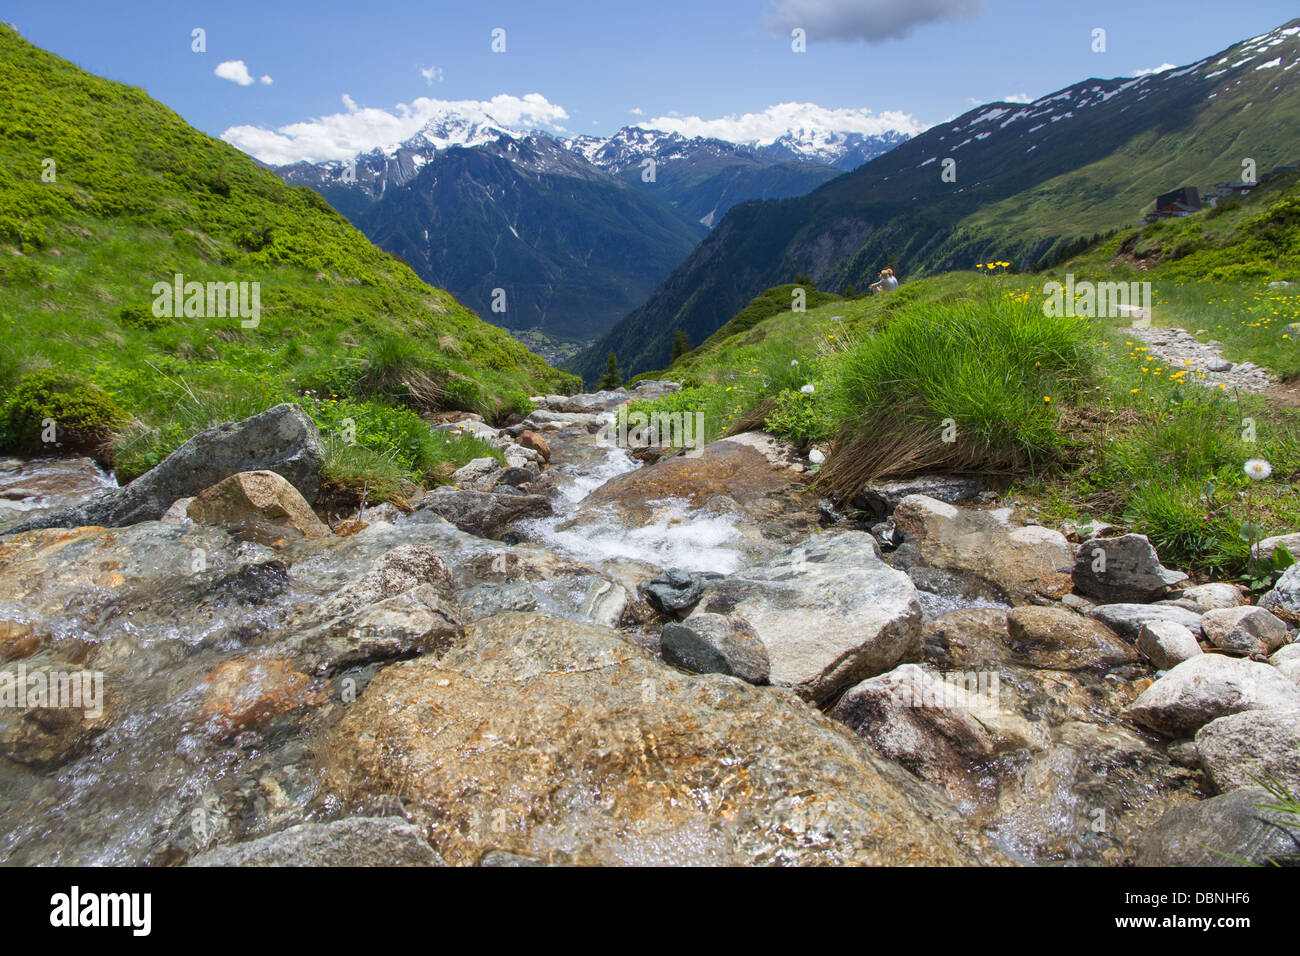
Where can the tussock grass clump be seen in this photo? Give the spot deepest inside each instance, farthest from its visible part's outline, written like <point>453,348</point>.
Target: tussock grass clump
<point>969,385</point>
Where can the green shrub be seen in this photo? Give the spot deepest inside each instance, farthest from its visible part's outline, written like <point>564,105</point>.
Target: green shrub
<point>141,317</point>
<point>83,415</point>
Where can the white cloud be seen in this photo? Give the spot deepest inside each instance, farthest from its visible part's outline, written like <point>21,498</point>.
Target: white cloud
<point>235,71</point>
<point>775,121</point>
<point>637,111</point>
<point>431,73</point>
<point>1153,69</point>
<point>266,80</point>
<point>872,21</point>
<point>343,135</point>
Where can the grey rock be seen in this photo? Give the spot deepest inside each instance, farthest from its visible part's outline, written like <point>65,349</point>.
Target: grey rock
<point>1126,620</point>
<point>479,474</point>
<point>1167,644</point>
<point>1242,749</point>
<point>281,439</point>
<point>716,644</point>
<point>675,593</point>
<point>1209,686</point>
<point>485,600</point>
<point>518,475</point>
<point>830,612</point>
<point>1286,655</point>
<point>1284,599</point>
<point>1291,542</point>
<point>498,858</point>
<point>1251,630</point>
<point>887,535</point>
<point>1211,597</point>
<point>480,513</point>
<point>355,841</point>
<point>1219,365</point>
<point>1122,570</point>
<point>882,497</point>
<point>1221,831</point>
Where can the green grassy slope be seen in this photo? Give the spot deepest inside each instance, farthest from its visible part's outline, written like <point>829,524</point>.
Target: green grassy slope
<point>137,195</point>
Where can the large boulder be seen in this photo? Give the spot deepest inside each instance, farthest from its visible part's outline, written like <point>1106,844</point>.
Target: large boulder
<point>281,439</point>
<point>1122,570</point>
<point>1127,620</point>
<point>257,506</point>
<point>1242,749</point>
<point>354,841</point>
<point>1228,830</point>
<point>479,474</point>
<point>1284,599</point>
<point>1250,630</point>
<point>830,612</point>
<point>716,644</point>
<point>1028,564</point>
<point>482,514</point>
<point>1208,686</point>
<point>564,742</point>
<point>1055,638</point>
<point>941,729</point>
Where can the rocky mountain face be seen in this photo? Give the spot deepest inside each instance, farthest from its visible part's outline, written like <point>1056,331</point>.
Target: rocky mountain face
<point>1006,181</point>
<point>740,676</point>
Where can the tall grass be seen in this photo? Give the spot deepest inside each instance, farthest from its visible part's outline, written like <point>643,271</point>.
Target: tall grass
<point>972,384</point>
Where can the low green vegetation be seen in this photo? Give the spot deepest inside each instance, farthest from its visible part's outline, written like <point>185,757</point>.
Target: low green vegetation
<point>105,193</point>
<point>965,373</point>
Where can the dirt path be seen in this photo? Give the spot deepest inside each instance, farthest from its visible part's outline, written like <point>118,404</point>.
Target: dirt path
<point>1180,349</point>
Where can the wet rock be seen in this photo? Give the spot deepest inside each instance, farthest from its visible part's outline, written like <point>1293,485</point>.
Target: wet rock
<point>530,439</point>
<point>417,621</point>
<point>355,841</point>
<point>1222,831</point>
<point>1208,686</point>
<point>1241,750</point>
<point>257,506</point>
<point>1251,630</point>
<point>829,611</point>
<point>675,593</point>
<point>1284,599</point>
<point>19,639</point>
<point>395,571</point>
<point>564,742</point>
<point>1126,620</point>
<point>729,467</point>
<point>350,526</point>
<point>281,439</point>
<point>488,599</point>
<point>1027,564</point>
<point>604,602</point>
<point>716,644</point>
<point>50,716</point>
<point>1167,644</point>
<point>887,535</point>
<point>1058,639</point>
<point>481,514</point>
<point>517,475</point>
<point>1123,570</point>
<point>941,730</point>
<point>882,497</point>
<point>1211,597</point>
<point>246,693</point>
<point>968,639</point>
<point>498,858</point>
<point>480,474</point>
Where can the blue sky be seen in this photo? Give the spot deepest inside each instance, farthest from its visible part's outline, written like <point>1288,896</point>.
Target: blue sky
<point>593,63</point>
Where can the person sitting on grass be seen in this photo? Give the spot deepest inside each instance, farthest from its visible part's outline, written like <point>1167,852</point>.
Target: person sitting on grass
<point>886,282</point>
